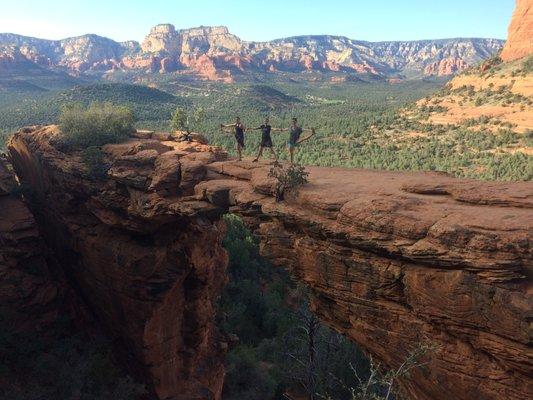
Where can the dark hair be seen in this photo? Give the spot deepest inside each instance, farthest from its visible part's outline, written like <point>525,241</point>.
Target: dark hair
<point>294,119</point>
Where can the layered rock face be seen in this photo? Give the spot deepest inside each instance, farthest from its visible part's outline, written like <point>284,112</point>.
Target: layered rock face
<point>30,291</point>
<point>214,53</point>
<point>520,38</point>
<point>150,277</point>
<point>392,259</point>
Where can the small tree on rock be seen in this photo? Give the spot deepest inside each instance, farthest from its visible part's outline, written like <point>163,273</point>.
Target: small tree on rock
<point>187,121</point>
<point>288,179</point>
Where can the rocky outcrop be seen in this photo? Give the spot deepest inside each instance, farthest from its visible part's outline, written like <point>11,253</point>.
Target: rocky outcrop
<point>151,279</point>
<point>31,292</point>
<point>392,259</point>
<point>448,66</point>
<point>214,53</point>
<point>520,38</point>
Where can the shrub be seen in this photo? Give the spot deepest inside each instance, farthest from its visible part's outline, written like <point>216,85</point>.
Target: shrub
<point>528,64</point>
<point>93,158</point>
<point>95,125</point>
<point>3,140</point>
<point>288,179</point>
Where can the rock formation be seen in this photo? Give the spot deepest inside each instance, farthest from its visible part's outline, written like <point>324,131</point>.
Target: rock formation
<point>148,278</point>
<point>214,53</point>
<point>30,290</point>
<point>520,38</point>
<point>392,259</point>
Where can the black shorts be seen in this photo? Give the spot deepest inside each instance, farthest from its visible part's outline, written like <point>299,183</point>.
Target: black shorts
<point>266,142</point>
<point>240,140</point>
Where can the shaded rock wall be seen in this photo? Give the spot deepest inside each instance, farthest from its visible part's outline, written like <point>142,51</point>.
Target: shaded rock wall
<point>151,280</point>
<point>32,292</point>
<point>392,259</point>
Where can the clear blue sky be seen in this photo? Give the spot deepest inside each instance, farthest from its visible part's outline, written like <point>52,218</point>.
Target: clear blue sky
<point>372,20</point>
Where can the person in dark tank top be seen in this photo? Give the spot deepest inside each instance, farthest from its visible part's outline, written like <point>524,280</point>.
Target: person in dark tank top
<point>266,140</point>
<point>239,134</point>
<point>295,132</point>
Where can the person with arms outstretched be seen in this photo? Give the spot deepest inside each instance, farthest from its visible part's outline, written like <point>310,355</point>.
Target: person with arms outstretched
<point>295,131</point>
<point>266,140</point>
<point>239,134</point>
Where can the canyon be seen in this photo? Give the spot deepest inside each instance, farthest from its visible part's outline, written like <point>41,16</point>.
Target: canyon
<point>213,53</point>
<point>392,259</point>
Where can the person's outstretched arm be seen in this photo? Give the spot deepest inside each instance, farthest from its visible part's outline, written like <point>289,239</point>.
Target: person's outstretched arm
<point>223,126</point>
<point>279,129</point>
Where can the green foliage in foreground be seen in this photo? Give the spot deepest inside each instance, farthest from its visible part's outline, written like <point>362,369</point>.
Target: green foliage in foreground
<point>95,125</point>
<point>262,306</point>
<point>60,365</point>
<point>151,106</point>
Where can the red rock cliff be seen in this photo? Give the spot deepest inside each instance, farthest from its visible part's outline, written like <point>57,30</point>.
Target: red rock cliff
<point>391,259</point>
<point>30,290</point>
<point>149,277</point>
<point>520,38</point>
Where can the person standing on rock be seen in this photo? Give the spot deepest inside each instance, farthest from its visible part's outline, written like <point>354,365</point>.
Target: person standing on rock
<point>239,134</point>
<point>266,140</point>
<point>295,131</point>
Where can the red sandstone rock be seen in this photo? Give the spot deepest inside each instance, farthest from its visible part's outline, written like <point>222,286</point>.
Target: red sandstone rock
<point>448,66</point>
<point>29,291</point>
<point>520,38</point>
<point>391,258</point>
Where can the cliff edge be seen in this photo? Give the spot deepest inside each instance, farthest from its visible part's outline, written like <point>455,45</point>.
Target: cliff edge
<point>391,258</point>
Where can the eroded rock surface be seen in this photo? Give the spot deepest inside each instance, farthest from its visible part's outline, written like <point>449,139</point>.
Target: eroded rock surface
<point>520,37</point>
<point>214,53</point>
<point>31,293</point>
<point>392,259</point>
<point>150,276</point>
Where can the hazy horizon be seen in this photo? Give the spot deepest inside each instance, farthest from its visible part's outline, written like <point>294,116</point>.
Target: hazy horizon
<point>253,21</point>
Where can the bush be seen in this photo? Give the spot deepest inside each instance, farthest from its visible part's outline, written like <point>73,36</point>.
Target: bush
<point>528,64</point>
<point>288,180</point>
<point>93,158</point>
<point>3,140</point>
<point>96,125</point>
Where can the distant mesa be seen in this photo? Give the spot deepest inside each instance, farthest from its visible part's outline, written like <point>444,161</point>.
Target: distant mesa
<point>213,53</point>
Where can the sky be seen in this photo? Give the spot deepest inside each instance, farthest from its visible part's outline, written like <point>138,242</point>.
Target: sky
<point>372,20</point>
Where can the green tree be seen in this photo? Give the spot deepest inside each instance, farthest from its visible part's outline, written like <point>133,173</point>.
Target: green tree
<point>188,121</point>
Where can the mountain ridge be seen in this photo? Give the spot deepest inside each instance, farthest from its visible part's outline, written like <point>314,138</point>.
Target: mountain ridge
<point>214,53</point>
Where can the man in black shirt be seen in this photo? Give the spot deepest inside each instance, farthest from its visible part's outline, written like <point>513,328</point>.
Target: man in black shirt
<point>239,134</point>
<point>266,140</point>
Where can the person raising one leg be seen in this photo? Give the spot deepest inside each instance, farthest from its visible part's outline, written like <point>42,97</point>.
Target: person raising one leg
<point>295,131</point>
<point>239,134</point>
<point>266,140</point>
